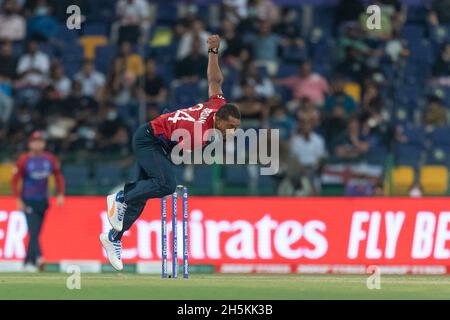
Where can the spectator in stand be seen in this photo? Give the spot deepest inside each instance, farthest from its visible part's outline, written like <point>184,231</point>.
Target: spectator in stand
<point>192,68</point>
<point>439,13</point>
<point>112,135</point>
<point>281,120</point>
<point>339,99</point>
<point>254,111</point>
<point>153,88</point>
<point>120,87</point>
<point>235,10</point>
<point>289,29</point>
<point>196,33</point>
<point>133,62</point>
<point>334,125</point>
<point>50,103</point>
<point>441,68</point>
<point>12,25</point>
<point>353,67</point>
<point>306,84</point>
<point>308,150</point>
<point>6,101</point>
<point>33,66</point>
<point>352,37</point>
<point>77,104</point>
<point>265,47</point>
<point>371,96</point>
<point>59,81</point>
<point>233,43</point>
<point>351,145</point>
<point>258,79</point>
<point>8,62</point>
<point>133,21</point>
<point>435,114</point>
<point>43,26</point>
<point>92,80</point>
<point>266,10</point>
<point>82,136</point>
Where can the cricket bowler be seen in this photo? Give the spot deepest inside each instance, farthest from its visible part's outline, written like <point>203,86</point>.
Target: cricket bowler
<point>152,145</point>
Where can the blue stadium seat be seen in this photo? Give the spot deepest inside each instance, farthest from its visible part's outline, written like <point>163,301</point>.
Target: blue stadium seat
<point>416,14</point>
<point>415,136</point>
<point>266,184</point>
<point>95,28</point>
<point>65,35</point>
<point>323,18</point>
<point>75,175</point>
<point>408,154</point>
<point>284,93</point>
<point>203,175</point>
<point>178,170</point>
<point>167,13</point>
<point>411,31</point>
<point>102,10</point>
<point>236,175</point>
<point>438,156</point>
<point>47,49</point>
<point>107,175</point>
<point>18,47</point>
<point>166,54</point>
<point>440,137</point>
<point>104,56</point>
<point>72,58</point>
<point>377,155</point>
<point>186,95</point>
<point>287,69</point>
<point>294,54</point>
<point>420,51</point>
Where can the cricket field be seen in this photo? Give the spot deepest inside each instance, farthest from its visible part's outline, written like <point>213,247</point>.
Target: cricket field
<point>222,287</point>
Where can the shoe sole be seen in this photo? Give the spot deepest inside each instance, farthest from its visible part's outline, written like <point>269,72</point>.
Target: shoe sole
<point>109,259</point>
<point>109,203</point>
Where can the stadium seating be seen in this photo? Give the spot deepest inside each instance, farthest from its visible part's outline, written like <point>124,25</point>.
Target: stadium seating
<point>434,180</point>
<point>402,179</point>
<point>90,43</point>
<point>6,174</point>
<point>104,56</point>
<point>236,175</point>
<point>107,175</point>
<point>404,88</point>
<point>76,176</point>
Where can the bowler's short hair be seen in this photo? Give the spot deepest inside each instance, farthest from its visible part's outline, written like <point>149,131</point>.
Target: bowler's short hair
<point>228,110</point>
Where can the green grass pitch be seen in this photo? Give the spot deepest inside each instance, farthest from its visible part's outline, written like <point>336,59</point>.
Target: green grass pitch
<point>222,287</point>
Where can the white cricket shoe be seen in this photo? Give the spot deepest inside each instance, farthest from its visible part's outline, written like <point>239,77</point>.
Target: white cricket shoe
<point>31,268</point>
<point>113,251</point>
<point>116,211</point>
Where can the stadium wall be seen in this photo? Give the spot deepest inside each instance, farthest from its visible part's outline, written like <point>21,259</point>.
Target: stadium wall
<point>243,235</point>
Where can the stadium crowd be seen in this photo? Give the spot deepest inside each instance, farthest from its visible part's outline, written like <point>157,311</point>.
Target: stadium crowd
<point>338,91</point>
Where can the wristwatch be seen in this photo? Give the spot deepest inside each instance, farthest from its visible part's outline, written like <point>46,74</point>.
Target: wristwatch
<point>213,50</point>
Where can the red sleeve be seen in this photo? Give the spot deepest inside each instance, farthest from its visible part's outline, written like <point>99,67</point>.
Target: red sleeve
<point>58,174</point>
<point>18,174</point>
<point>216,101</point>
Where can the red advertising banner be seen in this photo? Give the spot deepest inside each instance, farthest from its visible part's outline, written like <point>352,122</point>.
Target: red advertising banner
<point>292,234</point>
